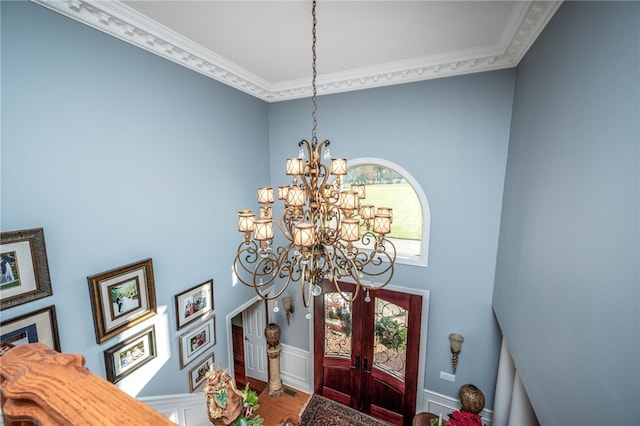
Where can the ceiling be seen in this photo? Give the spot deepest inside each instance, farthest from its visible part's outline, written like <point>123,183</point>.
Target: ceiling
<point>264,47</point>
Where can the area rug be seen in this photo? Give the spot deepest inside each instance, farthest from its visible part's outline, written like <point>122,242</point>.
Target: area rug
<point>321,411</point>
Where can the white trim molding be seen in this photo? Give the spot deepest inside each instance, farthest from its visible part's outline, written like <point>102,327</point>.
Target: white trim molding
<point>118,20</point>
<point>296,367</point>
<point>185,409</point>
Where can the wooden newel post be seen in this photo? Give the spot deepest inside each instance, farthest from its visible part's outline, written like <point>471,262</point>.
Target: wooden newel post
<point>272,333</point>
<point>41,386</point>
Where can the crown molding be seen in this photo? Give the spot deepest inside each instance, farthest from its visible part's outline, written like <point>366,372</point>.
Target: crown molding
<point>123,22</point>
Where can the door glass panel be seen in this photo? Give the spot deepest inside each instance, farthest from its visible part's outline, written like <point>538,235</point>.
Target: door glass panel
<point>390,338</point>
<point>337,325</point>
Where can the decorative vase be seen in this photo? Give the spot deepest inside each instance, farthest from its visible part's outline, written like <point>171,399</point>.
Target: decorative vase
<point>471,398</point>
<point>272,333</point>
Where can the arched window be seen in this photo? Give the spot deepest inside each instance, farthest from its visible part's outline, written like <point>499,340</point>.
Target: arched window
<point>389,185</point>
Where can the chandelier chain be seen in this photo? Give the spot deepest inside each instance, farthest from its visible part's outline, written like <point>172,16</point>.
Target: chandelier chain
<point>314,138</point>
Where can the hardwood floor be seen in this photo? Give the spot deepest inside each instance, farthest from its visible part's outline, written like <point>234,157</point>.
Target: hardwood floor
<point>276,409</point>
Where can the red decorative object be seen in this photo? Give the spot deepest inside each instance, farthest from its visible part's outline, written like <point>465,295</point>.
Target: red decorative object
<point>463,418</point>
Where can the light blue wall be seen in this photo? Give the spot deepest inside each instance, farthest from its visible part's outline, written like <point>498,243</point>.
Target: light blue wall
<point>567,283</point>
<point>451,135</point>
<point>121,155</point>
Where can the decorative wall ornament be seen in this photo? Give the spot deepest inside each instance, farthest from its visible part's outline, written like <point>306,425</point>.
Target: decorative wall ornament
<point>456,346</point>
<point>289,308</point>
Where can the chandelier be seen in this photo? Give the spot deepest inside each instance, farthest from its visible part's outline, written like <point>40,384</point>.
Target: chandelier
<point>327,233</point>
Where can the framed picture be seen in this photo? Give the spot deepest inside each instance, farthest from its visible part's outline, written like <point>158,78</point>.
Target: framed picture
<point>194,303</point>
<point>122,298</point>
<point>126,357</point>
<point>198,374</point>
<point>197,340</point>
<point>23,267</point>
<point>37,326</point>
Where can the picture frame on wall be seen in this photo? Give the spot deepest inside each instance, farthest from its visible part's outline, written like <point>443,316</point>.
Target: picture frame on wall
<point>131,354</point>
<point>197,340</point>
<point>198,374</point>
<point>193,303</point>
<point>37,326</point>
<point>122,298</point>
<point>24,269</point>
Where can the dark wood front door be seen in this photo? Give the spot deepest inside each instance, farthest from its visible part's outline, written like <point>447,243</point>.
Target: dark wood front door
<point>366,352</point>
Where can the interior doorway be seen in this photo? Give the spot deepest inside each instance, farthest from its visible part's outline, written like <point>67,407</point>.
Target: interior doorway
<point>248,353</point>
<point>366,352</point>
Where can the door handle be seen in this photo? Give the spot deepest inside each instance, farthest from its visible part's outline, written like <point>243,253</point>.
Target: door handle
<point>357,362</point>
<point>365,367</point>
<point>246,338</point>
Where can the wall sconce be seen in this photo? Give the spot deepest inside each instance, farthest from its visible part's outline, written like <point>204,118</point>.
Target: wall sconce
<point>288,307</point>
<point>456,345</point>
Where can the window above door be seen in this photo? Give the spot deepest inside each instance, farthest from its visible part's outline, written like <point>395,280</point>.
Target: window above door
<point>389,185</point>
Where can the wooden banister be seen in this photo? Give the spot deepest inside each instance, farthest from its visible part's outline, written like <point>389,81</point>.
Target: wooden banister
<point>43,387</point>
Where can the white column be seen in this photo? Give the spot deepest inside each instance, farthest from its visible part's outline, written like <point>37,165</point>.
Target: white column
<point>521,413</point>
<point>504,387</point>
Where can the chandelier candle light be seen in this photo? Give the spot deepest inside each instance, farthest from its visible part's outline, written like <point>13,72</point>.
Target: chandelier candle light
<point>330,235</point>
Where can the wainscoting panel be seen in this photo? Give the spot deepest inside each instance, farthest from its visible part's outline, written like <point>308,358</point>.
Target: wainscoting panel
<point>296,366</point>
<point>185,410</point>
<point>441,404</point>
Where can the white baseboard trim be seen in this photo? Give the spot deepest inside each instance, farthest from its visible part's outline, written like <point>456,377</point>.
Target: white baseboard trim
<point>437,403</point>
<point>296,366</point>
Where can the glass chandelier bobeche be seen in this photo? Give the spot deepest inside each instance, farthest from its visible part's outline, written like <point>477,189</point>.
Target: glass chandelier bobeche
<point>329,234</point>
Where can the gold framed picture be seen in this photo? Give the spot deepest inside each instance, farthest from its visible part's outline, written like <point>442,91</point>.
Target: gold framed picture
<point>131,354</point>
<point>121,298</point>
